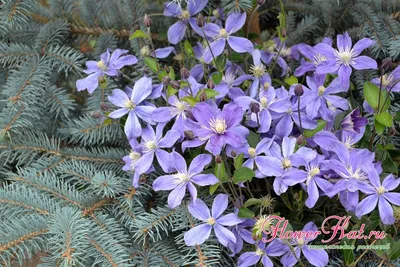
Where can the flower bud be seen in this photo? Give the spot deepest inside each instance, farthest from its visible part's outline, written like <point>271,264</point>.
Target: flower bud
<point>300,140</point>
<point>387,64</point>
<point>104,106</point>
<point>175,85</point>
<point>210,84</point>
<point>185,73</point>
<point>298,90</point>
<point>218,159</point>
<point>147,21</point>
<point>166,80</point>
<point>203,96</point>
<point>189,135</point>
<point>260,2</point>
<point>166,69</point>
<point>254,107</point>
<point>283,32</point>
<point>233,153</point>
<point>200,20</point>
<point>96,114</point>
<point>189,114</point>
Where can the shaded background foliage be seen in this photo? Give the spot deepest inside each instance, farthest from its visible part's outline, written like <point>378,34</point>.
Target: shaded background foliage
<point>63,191</point>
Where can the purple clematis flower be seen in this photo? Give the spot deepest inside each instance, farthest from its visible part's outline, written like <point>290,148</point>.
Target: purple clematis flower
<point>108,65</point>
<point>133,106</point>
<point>177,31</point>
<point>259,72</point>
<point>252,258</point>
<point>354,122</point>
<point>320,99</point>
<point>281,163</point>
<point>131,159</point>
<point>200,233</point>
<point>218,127</point>
<point>184,178</point>
<point>378,194</point>
<point>177,110</point>
<point>317,257</point>
<point>341,60</point>
<point>241,234</point>
<point>234,23</point>
<point>268,103</point>
<point>152,144</point>
<point>390,81</point>
<point>230,83</point>
<point>279,50</point>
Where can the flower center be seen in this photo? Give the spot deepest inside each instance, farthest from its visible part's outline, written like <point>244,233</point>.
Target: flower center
<point>218,125</point>
<point>185,14</point>
<point>381,190</point>
<point>151,145</point>
<point>321,90</point>
<point>330,106</point>
<point>318,59</point>
<point>211,221</point>
<point>266,85</point>
<point>216,13</point>
<point>134,156</point>
<point>258,70</point>
<point>180,106</point>
<point>300,241</point>
<point>145,51</point>
<point>181,178</point>
<point>101,65</point>
<point>386,80</point>
<point>286,163</point>
<point>223,33</point>
<point>259,252</point>
<point>264,102</point>
<point>129,105</point>
<point>252,152</point>
<point>345,57</point>
<point>314,171</point>
<point>285,51</point>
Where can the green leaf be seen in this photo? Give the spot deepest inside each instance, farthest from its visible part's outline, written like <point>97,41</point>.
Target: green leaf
<point>310,133</point>
<point>188,48</point>
<point>171,91</point>
<point>371,94</point>
<point>253,139</point>
<point>190,100</point>
<point>385,118</point>
<point>394,251</point>
<point>243,174</point>
<point>238,162</point>
<point>209,92</point>
<point>220,62</point>
<point>217,77</point>
<point>171,73</point>
<point>348,254</point>
<point>138,34</point>
<point>162,74</point>
<point>220,172</point>
<point>291,80</point>
<point>245,213</point>
<point>151,63</point>
<point>252,202</point>
<point>380,128</point>
<point>213,188</point>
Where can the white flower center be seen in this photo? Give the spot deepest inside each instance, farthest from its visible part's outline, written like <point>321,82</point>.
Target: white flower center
<point>314,171</point>
<point>101,65</point>
<point>211,221</point>
<point>150,145</point>
<point>266,85</point>
<point>223,33</point>
<point>321,90</point>
<point>386,80</point>
<point>216,13</point>
<point>286,163</point>
<point>348,143</point>
<point>129,105</point>
<point>381,190</point>
<point>300,241</point>
<point>318,59</point>
<point>345,57</point>
<point>252,152</point>
<point>229,78</point>
<point>181,178</point>
<point>259,252</point>
<point>264,102</point>
<point>145,51</point>
<point>218,125</point>
<point>185,14</point>
<point>258,70</point>
<point>134,156</point>
<point>285,51</point>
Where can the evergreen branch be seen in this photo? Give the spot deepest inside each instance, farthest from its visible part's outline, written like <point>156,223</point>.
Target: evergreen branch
<point>77,29</point>
<point>105,254</point>
<point>22,239</point>
<point>90,210</point>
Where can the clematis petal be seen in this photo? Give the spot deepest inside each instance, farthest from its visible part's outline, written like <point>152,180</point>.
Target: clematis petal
<point>199,210</point>
<point>224,235</point>
<point>197,235</point>
<point>219,205</point>
<point>240,44</point>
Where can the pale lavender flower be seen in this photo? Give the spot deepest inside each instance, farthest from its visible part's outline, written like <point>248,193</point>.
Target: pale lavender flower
<point>241,234</point>
<point>108,65</point>
<point>177,31</point>
<point>390,82</point>
<point>184,178</point>
<point>234,23</point>
<point>230,84</point>
<point>378,194</point>
<point>252,258</point>
<point>277,51</point>
<point>200,233</point>
<point>134,106</point>
<point>341,60</point>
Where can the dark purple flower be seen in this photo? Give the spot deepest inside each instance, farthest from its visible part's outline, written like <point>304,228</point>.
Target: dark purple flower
<point>354,122</point>
<point>184,178</point>
<point>108,65</point>
<point>234,23</point>
<point>200,233</point>
<point>177,31</point>
<point>341,60</point>
<point>217,127</point>
<point>134,106</point>
<point>378,194</point>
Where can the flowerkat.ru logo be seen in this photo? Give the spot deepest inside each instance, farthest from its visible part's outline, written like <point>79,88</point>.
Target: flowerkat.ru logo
<point>275,227</point>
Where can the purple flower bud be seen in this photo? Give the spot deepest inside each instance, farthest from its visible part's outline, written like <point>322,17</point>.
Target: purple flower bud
<point>185,73</point>
<point>189,135</point>
<point>218,159</point>
<point>283,32</point>
<point>189,115</point>
<point>166,80</point>
<point>387,64</point>
<point>203,96</point>
<point>233,153</point>
<point>254,107</point>
<point>175,85</point>
<point>300,140</point>
<point>147,21</point>
<point>104,106</point>
<point>210,84</point>
<point>298,90</point>
<point>200,20</point>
